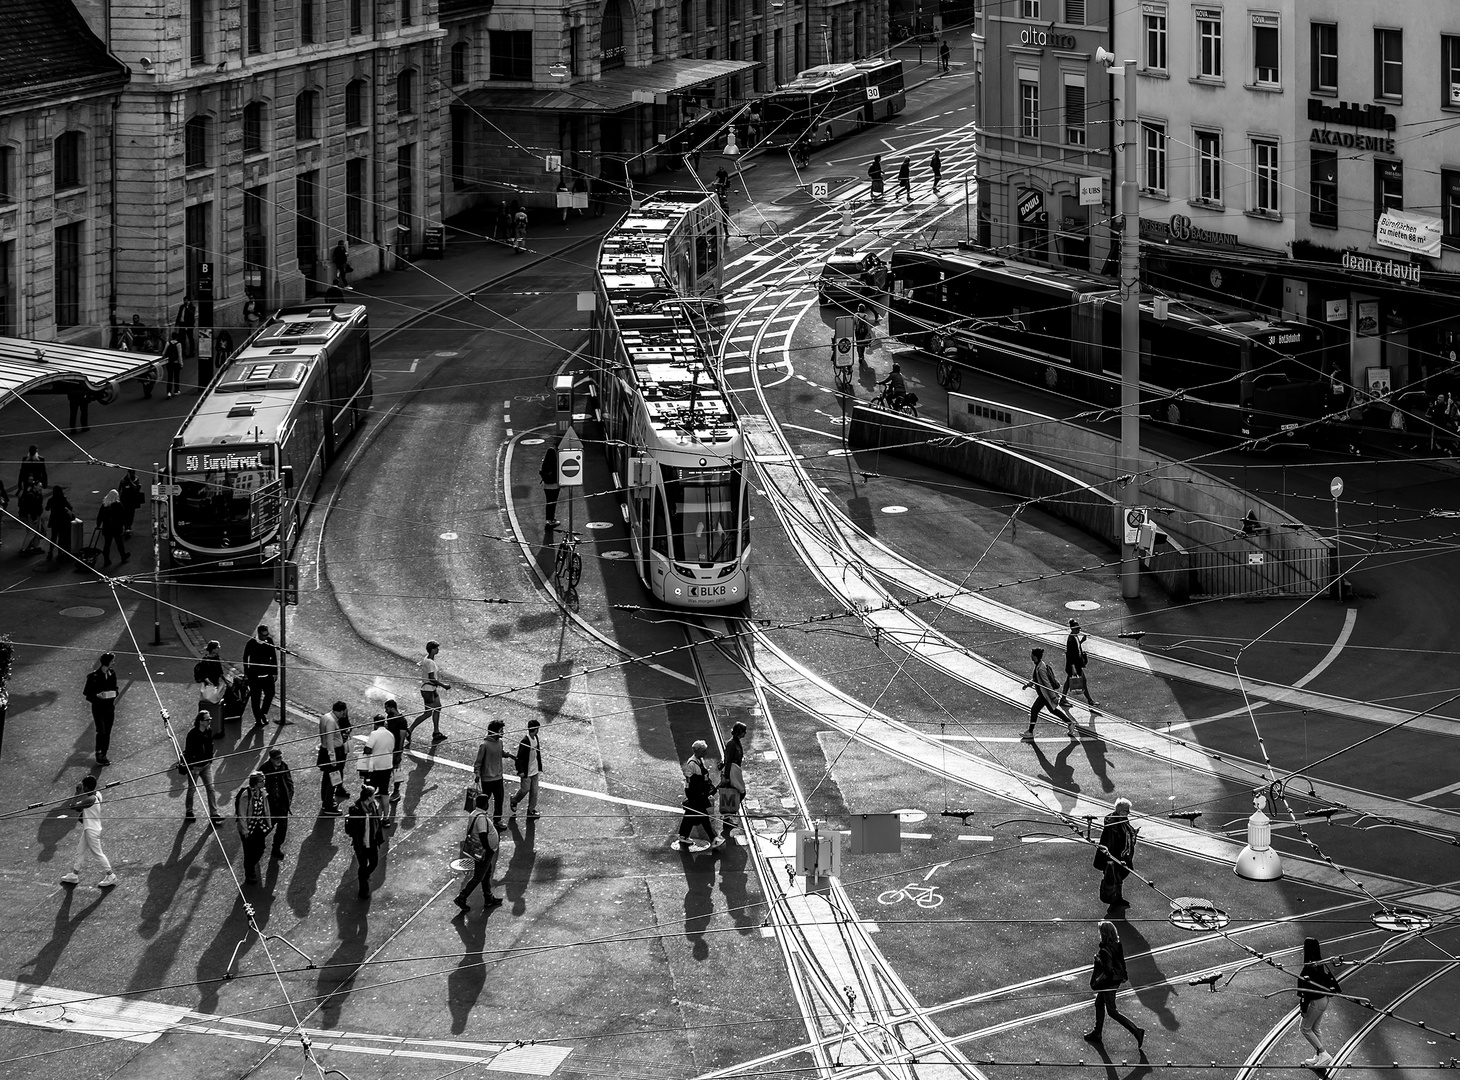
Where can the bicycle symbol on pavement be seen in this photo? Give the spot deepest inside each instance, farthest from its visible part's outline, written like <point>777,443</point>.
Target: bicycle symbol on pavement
<point>925,896</point>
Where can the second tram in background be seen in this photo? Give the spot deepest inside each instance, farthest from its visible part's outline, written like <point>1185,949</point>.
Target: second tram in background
<point>824,103</point>
<point>250,457</point>
<point>1205,367</point>
<point>673,440</point>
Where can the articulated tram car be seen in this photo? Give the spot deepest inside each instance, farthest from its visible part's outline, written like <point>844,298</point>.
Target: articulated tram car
<point>826,102</point>
<point>672,438</point>
<point>1204,366</point>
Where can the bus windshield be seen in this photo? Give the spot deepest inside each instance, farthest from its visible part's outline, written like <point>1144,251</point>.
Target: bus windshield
<point>211,509</point>
<point>702,517</point>
<point>786,115</point>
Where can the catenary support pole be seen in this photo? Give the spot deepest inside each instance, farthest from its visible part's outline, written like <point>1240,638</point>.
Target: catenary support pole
<point>1130,328</point>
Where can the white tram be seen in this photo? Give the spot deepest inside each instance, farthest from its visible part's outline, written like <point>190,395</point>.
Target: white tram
<point>672,438</point>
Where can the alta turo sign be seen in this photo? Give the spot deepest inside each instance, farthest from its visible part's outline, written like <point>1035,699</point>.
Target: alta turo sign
<point>1038,35</point>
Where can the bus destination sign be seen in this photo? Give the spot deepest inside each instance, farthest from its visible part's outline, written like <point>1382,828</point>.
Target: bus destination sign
<point>256,457</point>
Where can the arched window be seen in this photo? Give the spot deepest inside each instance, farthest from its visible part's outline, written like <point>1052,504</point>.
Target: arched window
<point>460,62</point>
<point>196,134</point>
<point>255,115</point>
<point>356,95</point>
<point>405,92</point>
<point>306,121</point>
<point>67,166</point>
<point>613,35</point>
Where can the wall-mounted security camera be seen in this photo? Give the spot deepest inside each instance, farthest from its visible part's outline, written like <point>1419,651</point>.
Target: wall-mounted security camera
<point>146,63</point>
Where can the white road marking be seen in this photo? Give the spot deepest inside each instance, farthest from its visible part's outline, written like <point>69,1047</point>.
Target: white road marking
<point>1428,795</point>
<point>601,796</point>
<point>976,837</point>
<point>934,868</point>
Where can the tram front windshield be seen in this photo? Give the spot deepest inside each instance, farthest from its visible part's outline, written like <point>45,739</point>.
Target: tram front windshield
<point>211,508</point>
<point>702,513</point>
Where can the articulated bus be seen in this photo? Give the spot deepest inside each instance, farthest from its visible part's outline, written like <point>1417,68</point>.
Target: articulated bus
<point>826,102</point>
<point>672,439</point>
<point>1204,366</point>
<point>249,458</point>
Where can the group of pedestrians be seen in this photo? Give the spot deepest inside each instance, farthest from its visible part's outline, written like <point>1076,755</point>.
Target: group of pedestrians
<point>47,523</point>
<point>712,794</point>
<point>904,175</point>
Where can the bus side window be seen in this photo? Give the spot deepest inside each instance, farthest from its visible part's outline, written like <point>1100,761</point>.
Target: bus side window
<point>661,524</point>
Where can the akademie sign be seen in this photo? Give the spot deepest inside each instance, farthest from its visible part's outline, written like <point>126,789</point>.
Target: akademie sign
<point>1405,231</point>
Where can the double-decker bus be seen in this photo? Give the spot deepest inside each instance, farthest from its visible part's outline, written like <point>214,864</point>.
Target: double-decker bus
<point>673,440</point>
<point>826,102</point>
<point>249,458</point>
<point>1204,366</point>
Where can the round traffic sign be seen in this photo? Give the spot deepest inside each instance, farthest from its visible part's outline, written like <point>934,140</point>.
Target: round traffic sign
<point>570,466</point>
<point>843,345</point>
<point>1335,486</point>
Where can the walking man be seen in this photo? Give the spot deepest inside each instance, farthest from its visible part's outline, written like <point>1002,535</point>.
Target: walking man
<point>1046,696</point>
<point>549,475</point>
<point>1075,660</point>
<point>732,780</point>
<point>279,786</point>
<point>334,729</point>
<point>529,769</point>
<point>935,166</point>
<point>32,467</point>
<point>480,826</point>
<point>490,782</point>
<point>699,789</point>
<point>944,54</point>
<point>198,761</point>
<point>904,178</point>
<point>130,489</point>
<point>364,828</point>
<point>1116,854</point>
<point>172,361</point>
<point>431,687</point>
<point>340,257</point>
<point>88,802</point>
<point>519,231</point>
<point>111,519</point>
<point>260,667</point>
<point>400,729</point>
<point>101,691</point>
<point>874,173</point>
<point>251,812</point>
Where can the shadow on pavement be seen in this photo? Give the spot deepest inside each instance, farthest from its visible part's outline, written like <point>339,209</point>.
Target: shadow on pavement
<point>337,973</point>
<point>464,984</point>
<point>316,853</point>
<point>1154,993</point>
<point>37,970</point>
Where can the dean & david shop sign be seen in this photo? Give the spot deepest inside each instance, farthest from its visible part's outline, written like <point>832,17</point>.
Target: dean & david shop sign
<point>1347,114</point>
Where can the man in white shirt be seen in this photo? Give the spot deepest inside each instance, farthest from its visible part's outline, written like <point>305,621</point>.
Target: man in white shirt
<point>334,727</point>
<point>431,687</point>
<point>378,759</point>
<point>88,801</point>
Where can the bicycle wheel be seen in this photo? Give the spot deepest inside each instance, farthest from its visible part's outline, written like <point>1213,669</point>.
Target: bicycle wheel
<point>930,901</point>
<point>575,570</point>
<point>559,563</point>
<point>843,378</point>
<point>891,896</point>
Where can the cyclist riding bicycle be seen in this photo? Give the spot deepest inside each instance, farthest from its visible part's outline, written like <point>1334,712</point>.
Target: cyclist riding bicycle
<point>895,386</point>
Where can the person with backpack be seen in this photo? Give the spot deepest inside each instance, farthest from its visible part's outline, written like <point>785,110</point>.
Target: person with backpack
<point>699,789</point>
<point>251,812</point>
<point>1316,983</point>
<point>1105,979</point>
<point>172,364</point>
<point>1075,661</point>
<point>1116,853</point>
<point>366,830</point>
<point>481,844</point>
<point>279,786</point>
<point>101,692</point>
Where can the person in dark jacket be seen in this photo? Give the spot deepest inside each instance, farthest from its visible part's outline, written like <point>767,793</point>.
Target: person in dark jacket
<point>699,789</point>
<point>1105,979</point>
<point>30,504</point>
<point>340,257</point>
<point>1075,660</point>
<point>1116,853</point>
<point>528,763</point>
<point>279,786</point>
<point>32,467</point>
<point>261,667</point>
<point>198,762</point>
<point>251,814</point>
<point>904,178</point>
<point>172,364</point>
<point>732,780</point>
<point>133,499</point>
<point>874,173</point>
<point>1316,983</point>
<point>935,167</point>
<point>58,518</point>
<point>548,474</point>
<point>364,828</point>
<point>112,521</point>
<point>101,691</point>
<point>399,726</point>
<point>208,674</point>
<point>79,399</point>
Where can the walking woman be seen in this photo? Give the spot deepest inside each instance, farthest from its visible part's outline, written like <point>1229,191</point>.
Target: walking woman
<point>1315,983</point>
<point>1105,979</point>
<point>58,519</point>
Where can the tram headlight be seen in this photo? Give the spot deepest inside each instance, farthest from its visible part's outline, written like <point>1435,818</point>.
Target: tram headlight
<point>685,571</point>
<point>729,569</point>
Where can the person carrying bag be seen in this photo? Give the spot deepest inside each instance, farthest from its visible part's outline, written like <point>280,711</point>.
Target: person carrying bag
<point>480,845</point>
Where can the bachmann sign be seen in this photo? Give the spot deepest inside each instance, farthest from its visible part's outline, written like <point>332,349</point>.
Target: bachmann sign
<point>1347,114</point>
<point>1181,229</point>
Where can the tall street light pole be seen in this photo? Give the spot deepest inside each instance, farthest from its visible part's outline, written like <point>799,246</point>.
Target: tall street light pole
<point>1130,320</point>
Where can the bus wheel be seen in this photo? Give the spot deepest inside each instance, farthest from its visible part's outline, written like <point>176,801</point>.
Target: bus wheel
<point>1173,414</point>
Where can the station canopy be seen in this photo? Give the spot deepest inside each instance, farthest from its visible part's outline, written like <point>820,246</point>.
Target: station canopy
<point>615,91</point>
<point>30,365</point>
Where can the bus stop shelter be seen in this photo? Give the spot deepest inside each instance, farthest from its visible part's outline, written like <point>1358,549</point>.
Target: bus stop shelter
<point>26,366</point>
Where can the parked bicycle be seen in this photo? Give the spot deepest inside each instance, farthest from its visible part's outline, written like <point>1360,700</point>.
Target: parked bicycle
<point>568,565</point>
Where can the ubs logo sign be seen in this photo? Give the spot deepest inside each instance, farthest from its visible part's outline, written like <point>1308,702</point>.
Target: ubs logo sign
<point>1037,35</point>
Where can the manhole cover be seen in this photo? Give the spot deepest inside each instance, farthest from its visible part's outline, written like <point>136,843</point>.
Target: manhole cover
<point>462,865</point>
<point>445,353</point>
<point>615,554</point>
<point>83,612</point>
<point>532,442</point>
<point>599,525</point>
<point>448,536</point>
<point>1194,913</point>
<point>1401,920</point>
<point>1082,605</point>
<point>894,509</point>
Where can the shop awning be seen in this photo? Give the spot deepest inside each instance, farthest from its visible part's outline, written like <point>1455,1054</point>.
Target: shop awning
<point>613,92</point>
<point>29,365</point>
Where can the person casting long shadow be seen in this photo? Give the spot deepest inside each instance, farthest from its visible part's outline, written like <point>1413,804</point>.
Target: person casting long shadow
<point>465,983</point>
<point>37,970</point>
<point>317,852</point>
<point>519,867</point>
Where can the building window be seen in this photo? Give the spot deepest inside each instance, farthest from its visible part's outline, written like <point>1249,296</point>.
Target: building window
<point>1265,68</point>
<point>254,114</point>
<point>198,31</point>
<point>405,92</point>
<point>757,53</point>
<point>511,54</point>
<point>1450,206</point>
<point>1389,63</point>
<point>1075,12</point>
<point>1265,191</point>
<point>460,61</point>
<point>733,8</point>
<point>195,142</point>
<point>460,129</point>
<point>1154,41</point>
<point>355,197</point>
<point>67,167</point>
<point>1028,9</point>
<point>1028,106</point>
<point>656,31</point>
<point>405,183</point>
<point>407,13</point>
<point>306,223</point>
<point>1209,43</point>
<point>1449,71</point>
<point>355,103</point>
<point>1208,167</point>
<point>197,242</point>
<point>575,50</point>
<point>1325,57</point>
<point>1323,188</point>
<point>253,26</point>
<point>1388,186</point>
<point>1074,86</point>
<point>306,21</point>
<point>7,174</point>
<point>67,264</point>
<point>255,239</point>
<point>686,18</point>
<point>613,36</point>
<point>306,126</point>
<point>1153,158</point>
<point>357,16</point>
<point>8,327</point>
